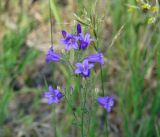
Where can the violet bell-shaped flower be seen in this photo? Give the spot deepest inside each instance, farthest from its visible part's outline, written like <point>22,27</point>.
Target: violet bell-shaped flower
<point>69,40</point>
<point>52,56</point>
<point>53,95</point>
<point>84,39</point>
<point>106,102</point>
<point>83,68</point>
<point>96,58</point>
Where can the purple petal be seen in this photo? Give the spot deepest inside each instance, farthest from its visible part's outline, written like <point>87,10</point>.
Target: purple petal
<point>107,102</point>
<point>53,100</point>
<point>91,66</point>
<point>52,56</point>
<point>47,94</point>
<point>79,30</point>
<point>94,58</point>
<point>86,74</point>
<point>56,91</point>
<point>87,36</point>
<point>50,88</point>
<point>108,108</point>
<point>78,64</point>
<point>101,101</point>
<point>77,71</point>
<point>85,62</point>
<point>50,101</point>
<point>75,45</point>
<point>59,95</point>
<point>68,47</point>
<point>64,33</point>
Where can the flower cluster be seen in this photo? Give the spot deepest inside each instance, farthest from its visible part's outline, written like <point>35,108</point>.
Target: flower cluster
<point>78,41</point>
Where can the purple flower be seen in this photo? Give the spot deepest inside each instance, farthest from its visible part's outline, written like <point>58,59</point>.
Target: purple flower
<point>84,40</point>
<point>52,56</point>
<point>107,102</point>
<point>96,58</point>
<point>83,68</point>
<point>53,95</point>
<point>69,40</point>
<point>79,41</point>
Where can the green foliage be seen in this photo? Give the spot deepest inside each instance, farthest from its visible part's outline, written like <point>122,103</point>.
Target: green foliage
<point>13,60</point>
<point>56,13</point>
<point>140,49</point>
<point>14,55</point>
<point>3,104</point>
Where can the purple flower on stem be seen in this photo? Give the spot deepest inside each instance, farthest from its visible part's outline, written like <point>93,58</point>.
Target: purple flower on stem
<point>84,40</point>
<point>106,102</point>
<point>53,95</point>
<point>69,40</point>
<point>83,68</point>
<point>52,56</point>
<point>96,58</point>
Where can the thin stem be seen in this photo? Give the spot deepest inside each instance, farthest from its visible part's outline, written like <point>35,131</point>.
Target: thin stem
<point>54,121</point>
<point>82,122</point>
<point>106,121</point>
<point>71,108</point>
<point>51,25</point>
<point>69,63</point>
<point>82,107</point>
<point>97,50</point>
<point>84,94</point>
<point>102,82</point>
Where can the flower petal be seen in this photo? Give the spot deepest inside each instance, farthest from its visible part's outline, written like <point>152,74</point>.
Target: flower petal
<point>77,71</point>
<point>64,33</point>
<point>79,30</point>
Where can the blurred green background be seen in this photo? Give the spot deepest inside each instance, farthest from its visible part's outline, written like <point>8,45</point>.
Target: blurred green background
<point>128,34</point>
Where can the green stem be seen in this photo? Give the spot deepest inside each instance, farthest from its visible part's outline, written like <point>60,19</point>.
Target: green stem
<point>82,120</point>
<point>82,115</point>
<point>102,82</point>
<point>84,94</point>
<point>102,87</point>
<point>54,121</point>
<point>67,60</point>
<point>106,121</point>
<point>74,114</point>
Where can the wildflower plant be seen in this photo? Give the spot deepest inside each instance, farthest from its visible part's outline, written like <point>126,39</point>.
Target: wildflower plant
<point>82,69</point>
